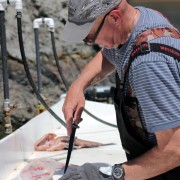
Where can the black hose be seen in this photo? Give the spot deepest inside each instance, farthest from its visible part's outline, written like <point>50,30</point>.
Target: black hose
<point>29,74</point>
<point>38,60</point>
<point>57,62</point>
<point>98,119</point>
<point>65,82</point>
<point>4,55</point>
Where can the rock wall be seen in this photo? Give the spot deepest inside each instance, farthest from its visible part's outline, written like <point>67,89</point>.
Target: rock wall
<point>72,58</point>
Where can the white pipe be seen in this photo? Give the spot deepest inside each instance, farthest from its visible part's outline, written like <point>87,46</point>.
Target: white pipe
<point>18,4</point>
<point>50,23</point>
<point>40,21</point>
<point>36,23</point>
<point>3,4</point>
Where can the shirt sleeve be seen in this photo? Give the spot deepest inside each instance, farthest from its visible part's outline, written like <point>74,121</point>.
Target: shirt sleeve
<point>109,55</point>
<point>156,83</point>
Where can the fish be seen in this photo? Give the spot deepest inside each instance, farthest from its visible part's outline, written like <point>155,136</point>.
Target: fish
<point>52,142</point>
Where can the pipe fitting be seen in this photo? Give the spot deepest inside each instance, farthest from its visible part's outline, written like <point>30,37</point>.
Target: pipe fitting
<point>17,3</point>
<point>37,22</point>
<point>7,116</point>
<point>8,125</point>
<point>50,23</point>
<point>40,21</point>
<point>6,105</point>
<point>3,4</point>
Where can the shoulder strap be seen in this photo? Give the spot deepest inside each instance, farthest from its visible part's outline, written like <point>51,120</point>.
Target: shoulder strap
<point>155,33</point>
<point>142,45</point>
<point>146,47</point>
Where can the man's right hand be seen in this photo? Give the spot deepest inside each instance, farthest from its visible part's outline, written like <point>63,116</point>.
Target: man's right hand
<point>73,106</point>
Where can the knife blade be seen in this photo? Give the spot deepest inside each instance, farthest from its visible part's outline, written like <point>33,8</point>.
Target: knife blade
<point>71,144</point>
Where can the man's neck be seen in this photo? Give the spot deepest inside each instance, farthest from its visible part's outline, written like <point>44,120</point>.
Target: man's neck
<point>129,20</point>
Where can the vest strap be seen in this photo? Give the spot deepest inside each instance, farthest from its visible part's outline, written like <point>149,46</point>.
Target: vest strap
<point>155,33</point>
<point>146,47</point>
<point>143,45</point>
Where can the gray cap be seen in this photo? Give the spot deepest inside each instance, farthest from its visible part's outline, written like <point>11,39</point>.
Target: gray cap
<point>82,14</point>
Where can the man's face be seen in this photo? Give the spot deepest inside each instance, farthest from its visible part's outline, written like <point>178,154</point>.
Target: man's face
<point>105,33</point>
<point>92,36</point>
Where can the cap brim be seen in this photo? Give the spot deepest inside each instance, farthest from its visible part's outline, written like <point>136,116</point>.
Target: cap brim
<point>75,33</point>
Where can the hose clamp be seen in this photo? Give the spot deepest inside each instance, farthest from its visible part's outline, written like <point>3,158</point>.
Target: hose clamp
<point>6,105</point>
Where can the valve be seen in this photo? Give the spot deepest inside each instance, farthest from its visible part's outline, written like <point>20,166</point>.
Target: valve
<point>40,108</point>
<point>7,108</point>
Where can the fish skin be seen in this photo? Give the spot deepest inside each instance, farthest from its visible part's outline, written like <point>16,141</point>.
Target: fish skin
<point>52,142</point>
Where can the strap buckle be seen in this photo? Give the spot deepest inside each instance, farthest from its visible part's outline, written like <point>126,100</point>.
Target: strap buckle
<point>145,47</point>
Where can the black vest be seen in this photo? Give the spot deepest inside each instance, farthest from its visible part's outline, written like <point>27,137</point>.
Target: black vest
<point>133,134</point>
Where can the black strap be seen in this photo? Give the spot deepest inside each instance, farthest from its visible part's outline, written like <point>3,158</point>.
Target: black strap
<point>146,47</point>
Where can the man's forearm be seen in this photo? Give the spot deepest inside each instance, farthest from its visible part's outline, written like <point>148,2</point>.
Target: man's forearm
<point>152,163</point>
<point>95,71</point>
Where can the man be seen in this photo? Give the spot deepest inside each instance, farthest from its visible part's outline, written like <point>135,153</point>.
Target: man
<point>148,111</point>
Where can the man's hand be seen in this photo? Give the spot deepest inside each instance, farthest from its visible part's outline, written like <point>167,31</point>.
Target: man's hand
<point>73,106</point>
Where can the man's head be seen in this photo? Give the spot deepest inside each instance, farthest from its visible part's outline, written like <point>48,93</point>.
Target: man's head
<point>81,16</point>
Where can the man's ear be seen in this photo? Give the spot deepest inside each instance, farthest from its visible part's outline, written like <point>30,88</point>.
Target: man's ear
<point>115,14</point>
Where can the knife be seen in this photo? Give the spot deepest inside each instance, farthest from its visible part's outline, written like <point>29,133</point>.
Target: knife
<point>71,144</point>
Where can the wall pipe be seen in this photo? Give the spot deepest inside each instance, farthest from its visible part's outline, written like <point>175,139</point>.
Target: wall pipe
<point>6,102</point>
<point>7,107</point>
<point>36,24</point>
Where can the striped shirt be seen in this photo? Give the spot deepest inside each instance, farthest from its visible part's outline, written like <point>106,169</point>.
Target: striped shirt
<point>154,77</point>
